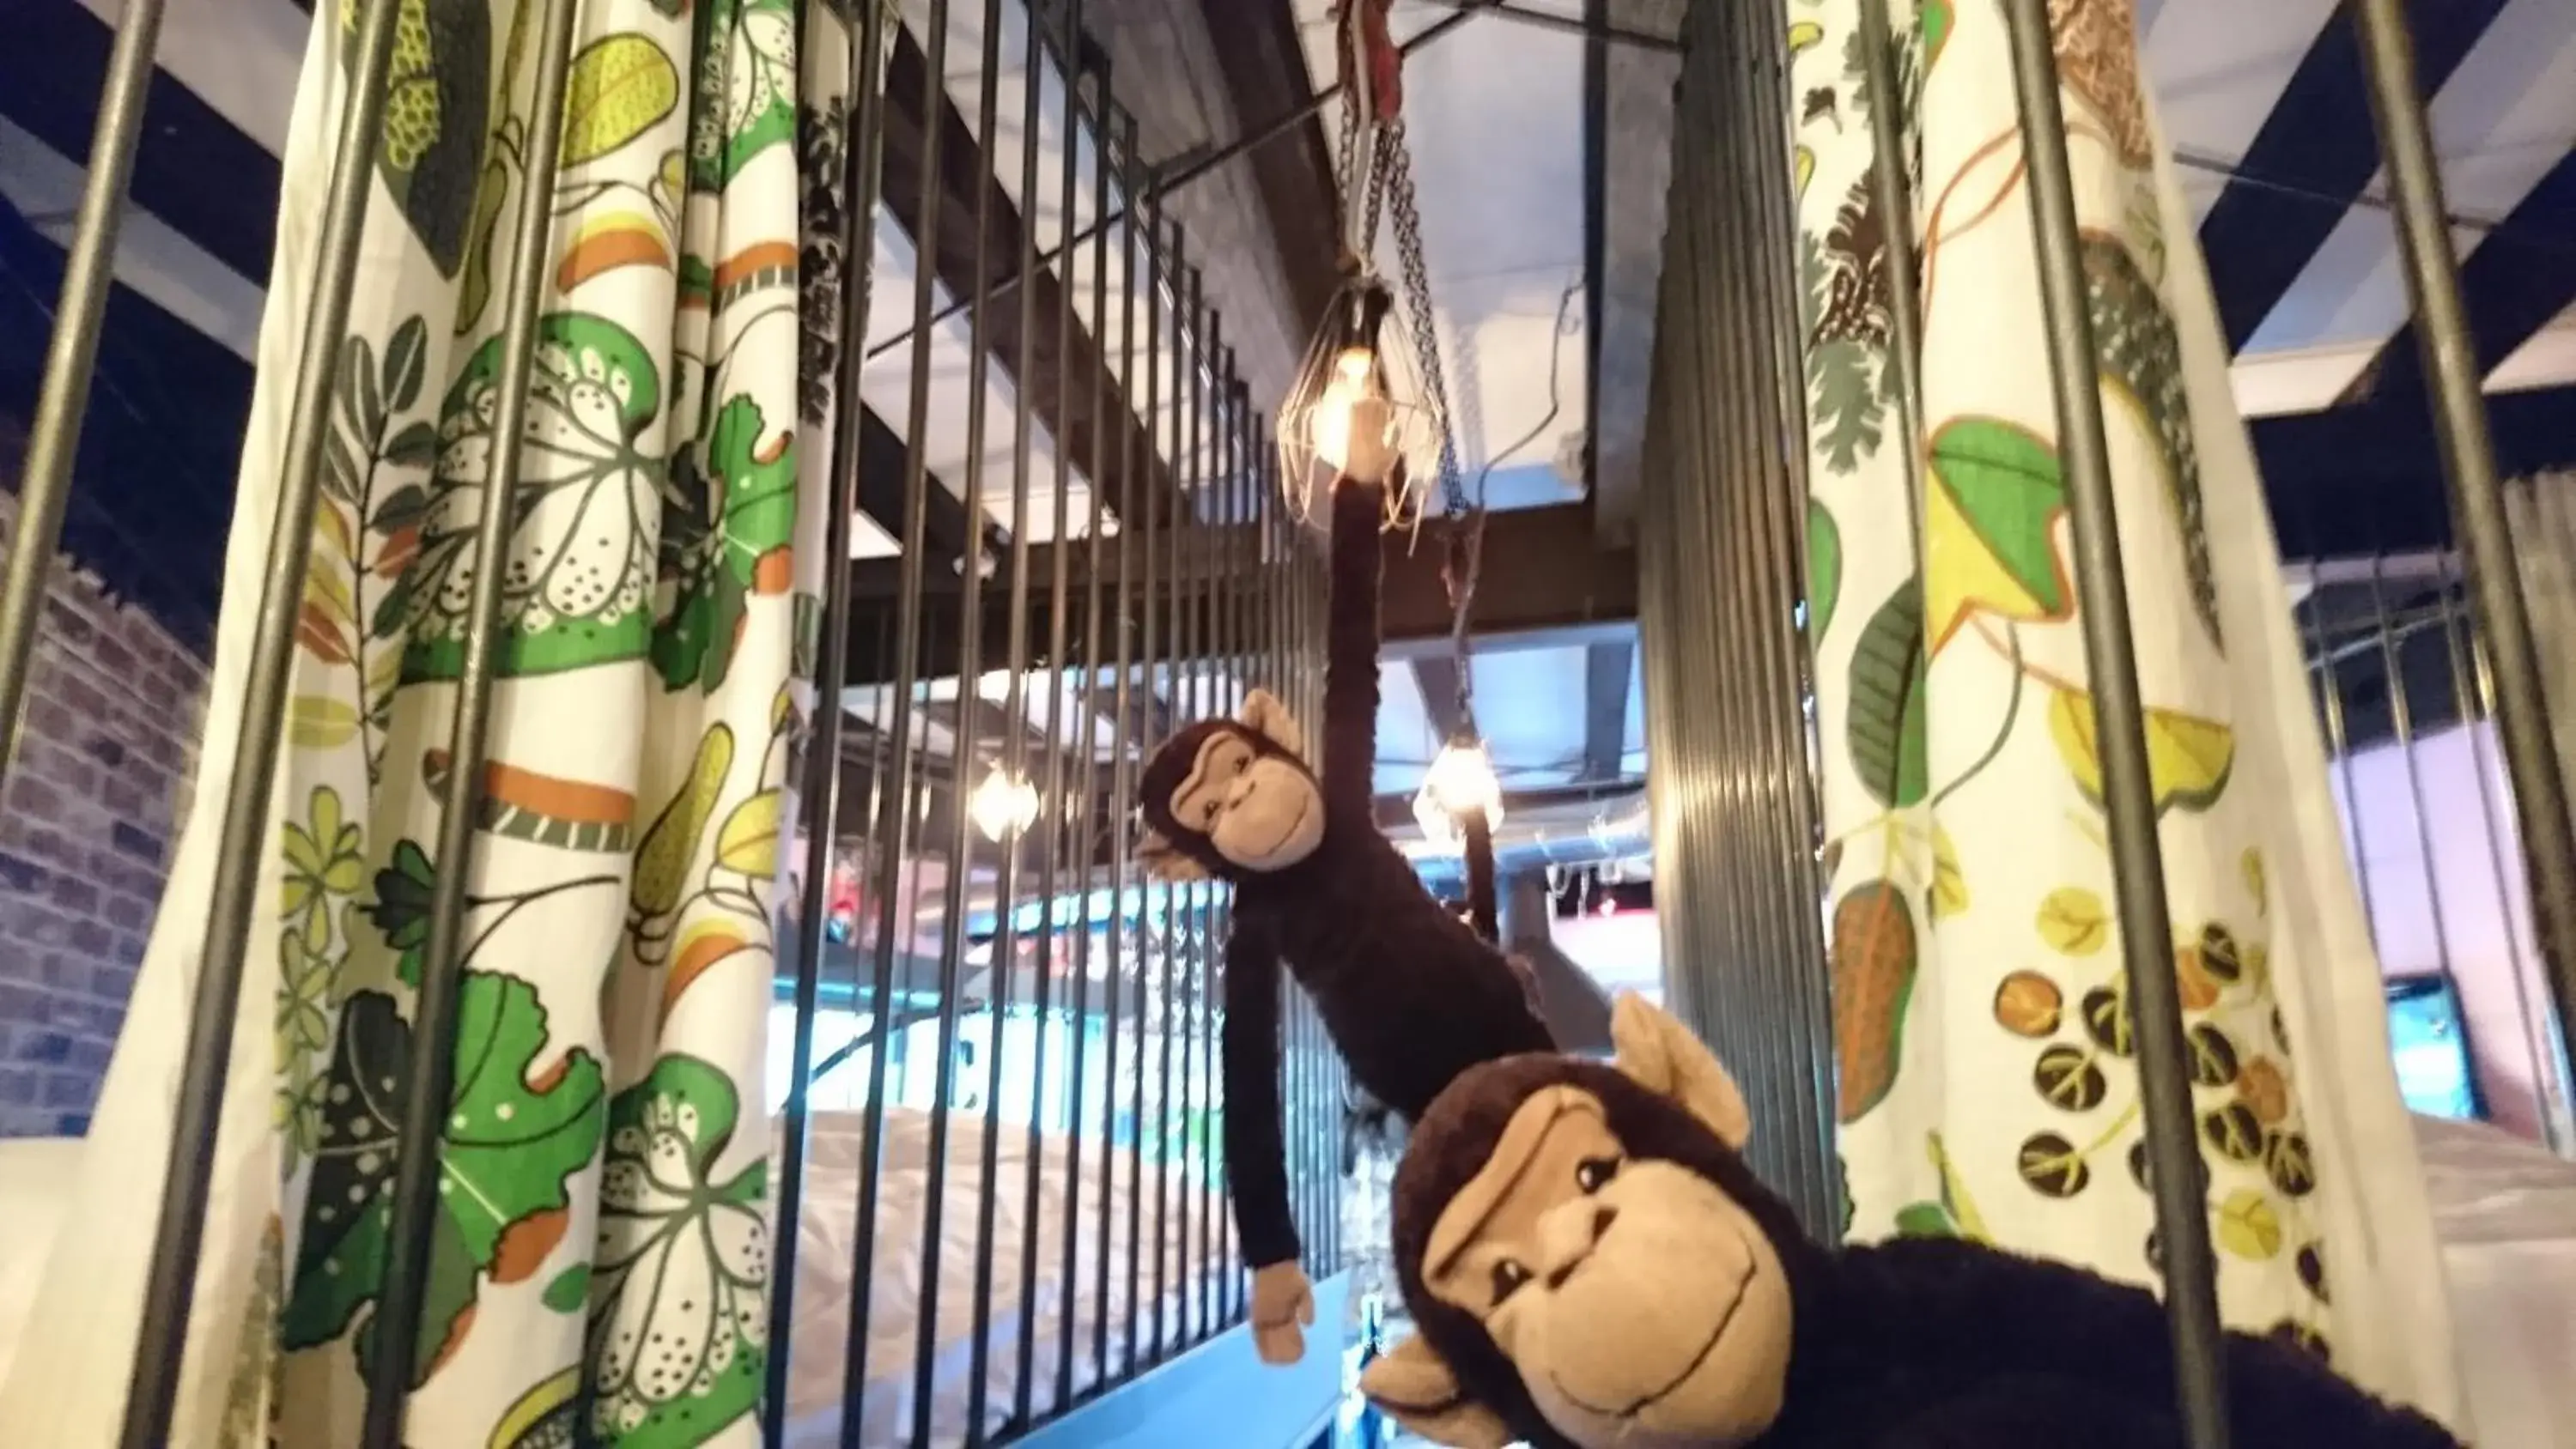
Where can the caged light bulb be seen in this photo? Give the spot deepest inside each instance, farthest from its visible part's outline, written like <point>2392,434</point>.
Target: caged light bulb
<point>1329,422</point>
<point>1004,805</point>
<point>1460,779</point>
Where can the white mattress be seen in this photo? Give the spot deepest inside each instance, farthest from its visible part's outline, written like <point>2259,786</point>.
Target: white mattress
<point>36,1178</point>
<point>2506,1213</point>
<point>830,1225</point>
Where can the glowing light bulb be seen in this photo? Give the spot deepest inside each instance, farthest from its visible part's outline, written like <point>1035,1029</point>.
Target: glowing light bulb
<point>1004,805</point>
<point>1459,780</point>
<point>1329,423</point>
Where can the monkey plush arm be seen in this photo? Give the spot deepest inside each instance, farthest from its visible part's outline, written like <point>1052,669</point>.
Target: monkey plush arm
<point>1256,1169</point>
<point>1351,648</point>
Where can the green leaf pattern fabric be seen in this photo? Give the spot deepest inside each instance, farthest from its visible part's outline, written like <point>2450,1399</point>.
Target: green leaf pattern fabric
<point>1988,1077</point>
<point>598,1264</point>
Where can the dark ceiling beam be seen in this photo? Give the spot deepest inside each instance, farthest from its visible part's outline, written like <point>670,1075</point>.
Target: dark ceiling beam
<point>1535,591</point>
<point>1263,63</point>
<point>1395,812</point>
<point>152,476</point>
<point>1064,373</point>
<point>1540,571</point>
<point>2516,283</point>
<point>2357,480</point>
<point>1437,676</point>
<point>946,532</point>
<point>2308,164</point>
<point>1607,669</point>
<point>192,168</point>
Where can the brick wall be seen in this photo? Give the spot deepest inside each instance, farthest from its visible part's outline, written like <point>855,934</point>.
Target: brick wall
<point>87,824</point>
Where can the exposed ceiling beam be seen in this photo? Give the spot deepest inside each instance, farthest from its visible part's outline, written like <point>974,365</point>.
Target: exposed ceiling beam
<point>946,532</point>
<point>2359,480</point>
<point>1064,373</point>
<point>1540,571</point>
<point>2517,282</point>
<point>1532,584</point>
<point>2261,233</point>
<point>1606,675</point>
<point>1264,67</point>
<point>1436,675</point>
<point>1395,812</point>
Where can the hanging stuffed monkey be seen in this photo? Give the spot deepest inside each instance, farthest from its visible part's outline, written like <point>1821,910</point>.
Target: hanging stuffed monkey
<point>1591,1265</point>
<point>1408,991</point>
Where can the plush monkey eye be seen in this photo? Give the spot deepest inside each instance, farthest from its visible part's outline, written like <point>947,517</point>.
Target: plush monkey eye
<point>1594,1173</point>
<point>1243,764</point>
<point>1508,1277</point>
<point>1214,809</point>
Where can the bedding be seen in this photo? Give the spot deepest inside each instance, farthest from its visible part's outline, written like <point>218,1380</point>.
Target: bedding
<point>2505,1210</point>
<point>830,1225</point>
<point>36,1179</point>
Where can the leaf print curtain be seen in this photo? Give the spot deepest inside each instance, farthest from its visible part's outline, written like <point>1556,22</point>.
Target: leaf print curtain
<point>1988,1085</point>
<point>599,1259</point>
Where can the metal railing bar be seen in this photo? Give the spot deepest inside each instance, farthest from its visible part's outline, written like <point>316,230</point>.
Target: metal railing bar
<point>961,818</point>
<point>894,828</point>
<point>2476,495</point>
<point>1066,822</point>
<point>2179,1183</point>
<point>71,357</point>
<point>241,852</point>
<point>822,788</point>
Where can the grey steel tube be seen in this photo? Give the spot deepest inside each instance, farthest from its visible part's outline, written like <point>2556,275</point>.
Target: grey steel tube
<point>1065,804</point>
<point>1123,750</point>
<point>431,1080</point>
<point>2180,1181</point>
<point>1794,780</point>
<point>893,834</point>
<point>71,355</point>
<point>961,818</point>
<point>1152,941</point>
<point>820,795</point>
<point>2477,498</point>
<point>241,852</point>
<point>1014,762</point>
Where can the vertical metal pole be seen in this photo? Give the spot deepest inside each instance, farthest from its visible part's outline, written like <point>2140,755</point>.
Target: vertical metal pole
<point>1149,923</point>
<point>2477,499</point>
<point>1123,747</point>
<point>71,355</point>
<point>2401,720</point>
<point>1175,685</point>
<point>177,1233</point>
<point>2180,1182</point>
<point>824,768</point>
<point>418,1170</point>
<point>1067,797</point>
<point>2330,714</point>
<point>1014,763</point>
<point>2470,707</point>
<point>1792,776</point>
<point>894,831</point>
<point>956,894</point>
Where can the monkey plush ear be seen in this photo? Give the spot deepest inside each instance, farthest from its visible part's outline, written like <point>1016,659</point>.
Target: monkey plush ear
<point>1162,862</point>
<point>1660,1055</point>
<point>1265,714</point>
<point>1414,1387</point>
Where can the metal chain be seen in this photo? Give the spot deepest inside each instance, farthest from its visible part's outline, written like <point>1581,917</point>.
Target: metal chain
<point>1389,190</point>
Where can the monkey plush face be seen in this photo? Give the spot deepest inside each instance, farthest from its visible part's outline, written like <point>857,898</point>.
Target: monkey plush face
<point>1230,796</point>
<point>1588,1259</point>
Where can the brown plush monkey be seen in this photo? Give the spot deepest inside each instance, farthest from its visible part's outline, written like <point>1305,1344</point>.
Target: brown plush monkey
<point>1411,994</point>
<point>1590,1265</point>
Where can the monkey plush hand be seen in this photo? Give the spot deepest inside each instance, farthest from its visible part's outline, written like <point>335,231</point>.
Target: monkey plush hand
<point>1590,1265</point>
